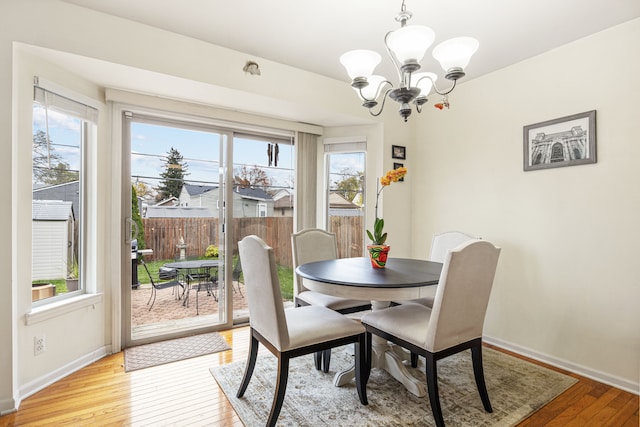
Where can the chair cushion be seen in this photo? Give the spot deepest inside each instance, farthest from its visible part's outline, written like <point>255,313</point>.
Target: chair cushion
<point>334,303</point>
<point>314,324</point>
<point>426,301</point>
<point>407,321</point>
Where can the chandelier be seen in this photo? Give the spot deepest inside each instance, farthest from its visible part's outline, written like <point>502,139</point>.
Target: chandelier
<point>407,46</point>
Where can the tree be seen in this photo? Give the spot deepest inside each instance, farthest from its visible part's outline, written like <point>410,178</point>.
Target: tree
<point>142,189</point>
<point>43,157</point>
<point>251,177</point>
<point>137,219</point>
<point>175,169</point>
<point>60,174</point>
<point>350,184</point>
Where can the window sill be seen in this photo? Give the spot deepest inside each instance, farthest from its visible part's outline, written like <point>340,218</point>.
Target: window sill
<point>49,311</point>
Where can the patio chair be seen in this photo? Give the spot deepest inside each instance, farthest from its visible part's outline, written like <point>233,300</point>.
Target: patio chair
<point>293,332</point>
<point>158,284</point>
<point>235,275</point>
<point>203,280</point>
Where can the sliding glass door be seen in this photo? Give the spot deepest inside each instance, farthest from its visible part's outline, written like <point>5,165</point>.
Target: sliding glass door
<point>188,211</point>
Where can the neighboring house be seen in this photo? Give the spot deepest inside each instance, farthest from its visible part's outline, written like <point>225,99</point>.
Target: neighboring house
<point>53,242</point>
<point>247,202</point>
<point>283,203</point>
<point>339,206</point>
<point>196,195</point>
<point>251,202</point>
<point>171,201</point>
<point>68,192</point>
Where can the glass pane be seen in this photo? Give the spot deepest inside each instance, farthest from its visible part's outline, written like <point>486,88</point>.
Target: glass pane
<point>176,257</point>
<point>345,199</point>
<point>57,204</point>
<point>263,201</point>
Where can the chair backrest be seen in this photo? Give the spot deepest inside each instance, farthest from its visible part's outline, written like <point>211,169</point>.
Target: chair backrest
<point>462,295</point>
<point>266,310</point>
<point>144,264</point>
<point>309,245</point>
<point>442,243</point>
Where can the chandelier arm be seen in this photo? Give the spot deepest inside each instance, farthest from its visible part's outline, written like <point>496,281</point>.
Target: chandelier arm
<point>446,92</point>
<point>435,89</point>
<point>382,83</point>
<point>395,61</point>
<point>384,99</point>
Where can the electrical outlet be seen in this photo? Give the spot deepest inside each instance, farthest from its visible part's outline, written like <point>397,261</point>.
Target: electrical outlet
<point>39,345</point>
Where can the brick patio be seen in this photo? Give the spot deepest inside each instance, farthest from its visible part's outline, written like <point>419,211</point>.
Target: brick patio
<point>167,307</point>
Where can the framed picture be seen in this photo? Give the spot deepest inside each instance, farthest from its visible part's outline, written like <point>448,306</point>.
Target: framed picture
<point>398,152</point>
<point>396,166</point>
<point>567,141</point>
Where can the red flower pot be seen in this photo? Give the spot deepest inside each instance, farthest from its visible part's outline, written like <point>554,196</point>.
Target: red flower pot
<point>378,255</point>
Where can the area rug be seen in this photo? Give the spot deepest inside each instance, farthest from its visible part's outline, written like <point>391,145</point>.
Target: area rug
<point>516,388</point>
<point>159,353</point>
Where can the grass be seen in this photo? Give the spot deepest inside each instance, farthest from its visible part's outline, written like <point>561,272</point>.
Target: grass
<point>285,275</point>
<point>61,284</point>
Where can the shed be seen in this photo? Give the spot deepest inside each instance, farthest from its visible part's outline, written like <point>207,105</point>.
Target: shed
<point>52,238</point>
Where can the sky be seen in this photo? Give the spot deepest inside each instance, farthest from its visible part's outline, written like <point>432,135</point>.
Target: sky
<point>201,151</point>
<point>150,144</point>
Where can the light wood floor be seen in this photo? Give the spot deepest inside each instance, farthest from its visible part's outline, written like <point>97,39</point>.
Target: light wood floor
<point>185,394</point>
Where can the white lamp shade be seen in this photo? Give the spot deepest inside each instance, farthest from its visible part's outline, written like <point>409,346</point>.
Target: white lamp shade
<point>372,91</point>
<point>455,52</point>
<point>410,42</point>
<point>425,84</point>
<point>360,63</point>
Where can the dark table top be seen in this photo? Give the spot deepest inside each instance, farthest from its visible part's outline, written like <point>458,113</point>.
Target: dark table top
<point>196,263</point>
<point>399,272</point>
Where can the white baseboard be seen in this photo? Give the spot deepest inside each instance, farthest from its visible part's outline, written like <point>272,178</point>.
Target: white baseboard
<point>8,406</point>
<point>51,377</point>
<point>584,371</point>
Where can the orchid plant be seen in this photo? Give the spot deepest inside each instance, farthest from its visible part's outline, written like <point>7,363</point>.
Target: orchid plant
<point>379,237</point>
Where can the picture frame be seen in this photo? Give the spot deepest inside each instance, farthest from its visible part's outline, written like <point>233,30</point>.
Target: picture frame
<point>398,152</point>
<point>566,141</point>
<point>396,166</point>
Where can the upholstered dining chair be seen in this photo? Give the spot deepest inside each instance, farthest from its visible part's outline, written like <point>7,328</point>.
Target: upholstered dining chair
<point>453,324</point>
<point>441,244</point>
<point>314,244</point>
<point>293,332</point>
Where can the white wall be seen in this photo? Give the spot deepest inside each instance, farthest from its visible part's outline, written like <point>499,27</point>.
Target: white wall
<point>568,285</point>
<point>77,336</point>
<point>395,199</point>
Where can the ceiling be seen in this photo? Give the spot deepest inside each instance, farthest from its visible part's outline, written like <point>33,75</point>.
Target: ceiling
<point>311,35</point>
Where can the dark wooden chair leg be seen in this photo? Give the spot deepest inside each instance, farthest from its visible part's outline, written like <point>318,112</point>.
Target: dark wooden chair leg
<point>281,388</point>
<point>432,388</point>
<point>367,355</point>
<point>414,360</point>
<point>361,369</point>
<point>251,363</point>
<point>478,372</point>
<point>326,360</point>
<point>317,358</point>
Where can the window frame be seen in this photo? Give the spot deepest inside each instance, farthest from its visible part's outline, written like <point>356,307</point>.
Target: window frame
<point>87,134</point>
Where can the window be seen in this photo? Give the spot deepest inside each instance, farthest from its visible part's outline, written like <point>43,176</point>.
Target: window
<point>345,161</point>
<point>262,210</point>
<point>60,131</point>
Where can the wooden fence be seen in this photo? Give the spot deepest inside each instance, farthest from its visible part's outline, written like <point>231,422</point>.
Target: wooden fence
<point>163,235</point>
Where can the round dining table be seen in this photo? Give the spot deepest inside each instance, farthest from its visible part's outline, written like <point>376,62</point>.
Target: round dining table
<point>355,278</point>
